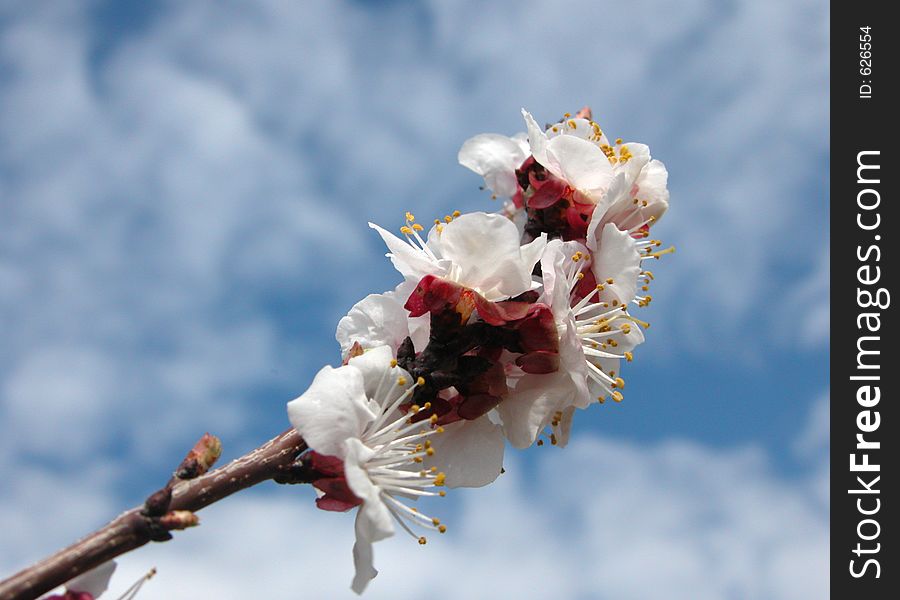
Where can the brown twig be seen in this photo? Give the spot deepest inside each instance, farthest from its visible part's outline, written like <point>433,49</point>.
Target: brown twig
<point>276,459</point>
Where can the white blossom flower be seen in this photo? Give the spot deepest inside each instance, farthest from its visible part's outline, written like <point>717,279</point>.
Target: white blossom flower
<point>479,251</point>
<point>577,151</point>
<point>496,158</point>
<point>636,208</point>
<point>355,413</point>
<point>381,320</point>
<point>595,333</point>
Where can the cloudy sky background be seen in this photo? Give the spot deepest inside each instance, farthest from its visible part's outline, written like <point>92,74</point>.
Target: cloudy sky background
<point>184,189</point>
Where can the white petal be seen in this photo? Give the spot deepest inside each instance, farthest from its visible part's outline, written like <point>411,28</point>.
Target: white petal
<point>557,293</point>
<point>572,362</point>
<point>496,158</point>
<point>537,139</point>
<point>486,255</point>
<point>374,522</point>
<point>530,406</point>
<point>419,327</point>
<point>521,139</point>
<point>93,582</point>
<point>470,453</point>
<point>532,251</point>
<point>377,319</point>
<point>617,258</point>
<point>615,197</point>
<point>363,559</point>
<point>565,427</point>
<point>640,156</point>
<point>581,164</point>
<point>651,186</point>
<point>333,409</point>
<point>411,263</point>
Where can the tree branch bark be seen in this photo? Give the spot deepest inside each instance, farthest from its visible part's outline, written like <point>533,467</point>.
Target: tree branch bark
<point>132,529</point>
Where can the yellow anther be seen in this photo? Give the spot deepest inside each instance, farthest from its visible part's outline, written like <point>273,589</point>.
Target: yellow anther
<point>648,274</point>
<point>437,221</point>
<point>401,380</point>
<point>456,213</point>
<point>417,227</point>
<point>601,399</point>
<point>554,129</point>
<point>644,288</point>
<point>439,479</point>
<point>629,356</point>
<point>448,218</point>
<point>580,276</point>
<point>577,256</point>
<point>436,521</point>
<point>432,469</point>
<point>618,141</point>
<point>410,217</point>
<point>419,447</point>
<point>429,451</point>
<point>406,230</point>
<point>418,459</point>
<point>439,429</point>
<point>609,280</point>
<point>393,362</point>
<point>620,383</point>
<point>442,528</point>
<point>600,287</point>
<point>442,493</point>
<point>433,419</point>
<point>414,408</point>
<point>420,381</point>
<point>426,406</point>
<point>617,396</point>
<point>422,541</point>
<point>625,327</point>
<point>553,440</point>
<point>615,302</point>
<point>572,124</point>
<point>439,228</point>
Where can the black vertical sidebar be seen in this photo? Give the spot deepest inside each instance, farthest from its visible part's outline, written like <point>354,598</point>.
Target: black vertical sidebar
<point>864,431</point>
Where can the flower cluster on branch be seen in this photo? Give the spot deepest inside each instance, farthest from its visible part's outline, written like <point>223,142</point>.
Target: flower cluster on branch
<point>504,326</point>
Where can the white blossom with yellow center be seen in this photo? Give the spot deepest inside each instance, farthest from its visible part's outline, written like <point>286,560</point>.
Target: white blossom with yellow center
<point>595,334</point>
<point>353,413</point>
<point>477,250</point>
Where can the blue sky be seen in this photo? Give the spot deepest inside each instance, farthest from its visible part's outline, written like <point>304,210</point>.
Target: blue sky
<point>184,190</point>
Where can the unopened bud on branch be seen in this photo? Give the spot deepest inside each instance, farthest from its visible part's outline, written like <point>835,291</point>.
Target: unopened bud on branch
<point>179,519</point>
<point>201,457</point>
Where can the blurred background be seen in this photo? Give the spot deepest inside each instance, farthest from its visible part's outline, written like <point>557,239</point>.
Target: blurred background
<point>184,190</point>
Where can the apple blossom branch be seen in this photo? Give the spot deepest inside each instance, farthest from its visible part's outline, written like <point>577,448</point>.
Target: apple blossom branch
<point>169,509</point>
